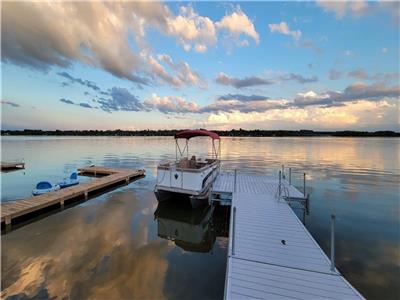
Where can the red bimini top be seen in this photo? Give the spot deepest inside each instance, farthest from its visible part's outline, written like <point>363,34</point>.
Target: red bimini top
<point>187,134</point>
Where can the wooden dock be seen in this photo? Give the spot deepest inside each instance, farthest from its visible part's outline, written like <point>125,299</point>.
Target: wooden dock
<point>11,210</point>
<point>8,166</point>
<point>271,255</point>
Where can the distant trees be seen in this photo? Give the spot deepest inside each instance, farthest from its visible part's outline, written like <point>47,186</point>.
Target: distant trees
<point>232,132</point>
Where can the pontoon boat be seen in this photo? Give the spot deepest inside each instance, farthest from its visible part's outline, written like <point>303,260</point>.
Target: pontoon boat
<point>189,176</point>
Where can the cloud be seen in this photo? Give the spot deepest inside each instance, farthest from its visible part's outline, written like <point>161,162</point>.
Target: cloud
<point>343,8</point>
<point>283,28</point>
<point>171,104</point>
<point>334,74</point>
<point>121,100</point>
<point>241,83</point>
<point>298,78</point>
<point>67,101</point>
<point>238,24</point>
<point>309,44</point>
<point>361,8</point>
<point>384,50</point>
<point>191,30</point>
<point>83,82</point>
<point>13,104</point>
<point>58,34</point>
<point>353,93</point>
<point>184,75</point>
<point>244,106</point>
<point>361,74</point>
<point>358,74</point>
<point>85,105</point>
<point>243,98</point>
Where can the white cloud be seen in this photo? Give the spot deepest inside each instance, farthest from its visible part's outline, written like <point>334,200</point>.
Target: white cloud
<point>184,73</point>
<point>283,28</point>
<point>192,30</point>
<point>384,50</point>
<point>342,8</point>
<point>237,24</point>
<point>171,104</point>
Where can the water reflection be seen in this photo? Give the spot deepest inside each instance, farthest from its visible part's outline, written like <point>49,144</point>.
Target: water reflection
<point>190,229</point>
<point>109,247</point>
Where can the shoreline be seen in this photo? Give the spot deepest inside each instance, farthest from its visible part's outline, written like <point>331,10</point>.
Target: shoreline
<point>222,133</point>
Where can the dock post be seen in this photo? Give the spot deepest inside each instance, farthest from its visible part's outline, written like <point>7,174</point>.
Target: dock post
<point>304,184</point>
<point>279,186</point>
<point>290,176</point>
<point>7,220</point>
<point>233,229</point>
<point>62,204</point>
<point>86,195</point>
<point>234,182</point>
<point>333,242</point>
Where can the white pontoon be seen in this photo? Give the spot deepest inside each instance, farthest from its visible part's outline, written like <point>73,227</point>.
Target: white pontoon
<point>191,177</point>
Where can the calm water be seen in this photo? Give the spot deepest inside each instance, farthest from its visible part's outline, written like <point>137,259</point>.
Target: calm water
<point>123,245</point>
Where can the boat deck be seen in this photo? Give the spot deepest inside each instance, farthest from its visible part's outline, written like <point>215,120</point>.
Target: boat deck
<point>14,209</point>
<point>271,254</point>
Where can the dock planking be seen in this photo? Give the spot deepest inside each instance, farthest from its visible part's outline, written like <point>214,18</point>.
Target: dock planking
<point>19,208</point>
<point>271,255</point>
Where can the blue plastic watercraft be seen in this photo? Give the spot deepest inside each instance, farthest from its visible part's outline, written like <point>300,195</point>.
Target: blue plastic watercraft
<point>67,182</point>
<point>45,187</point>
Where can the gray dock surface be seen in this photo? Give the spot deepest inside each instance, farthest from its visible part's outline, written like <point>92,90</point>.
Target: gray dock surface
<point>271,254</point>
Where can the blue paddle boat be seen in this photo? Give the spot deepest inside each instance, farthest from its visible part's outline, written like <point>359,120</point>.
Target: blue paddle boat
<point>45,187</point>
<point>67,182</point>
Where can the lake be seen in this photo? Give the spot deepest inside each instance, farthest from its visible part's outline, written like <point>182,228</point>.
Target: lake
<point>123,245</point>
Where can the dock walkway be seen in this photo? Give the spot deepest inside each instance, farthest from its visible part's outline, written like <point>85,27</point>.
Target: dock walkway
<point>14,209</point>
<point>271,255</point>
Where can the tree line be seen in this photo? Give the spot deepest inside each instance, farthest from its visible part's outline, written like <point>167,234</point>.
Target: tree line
<point>233,132</point>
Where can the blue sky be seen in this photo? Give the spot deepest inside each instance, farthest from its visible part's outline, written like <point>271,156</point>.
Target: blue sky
<point>269,65</point>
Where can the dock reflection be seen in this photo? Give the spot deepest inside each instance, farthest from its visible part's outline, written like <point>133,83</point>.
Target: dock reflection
<point>192,229</point>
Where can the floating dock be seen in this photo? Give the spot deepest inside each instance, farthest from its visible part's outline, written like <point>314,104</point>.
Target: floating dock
<point>271,254</point>
<point>19,208</point>
<point>8,166</point>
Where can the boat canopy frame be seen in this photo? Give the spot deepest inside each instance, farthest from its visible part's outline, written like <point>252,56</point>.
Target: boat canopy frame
<point>188,134</point>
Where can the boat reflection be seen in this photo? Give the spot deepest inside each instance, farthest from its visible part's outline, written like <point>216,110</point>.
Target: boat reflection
<point>191,229</point>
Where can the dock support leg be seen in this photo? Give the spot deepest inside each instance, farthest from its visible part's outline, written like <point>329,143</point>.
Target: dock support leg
<point>234,181</point>
<point>86,195</point>
<point>304,184</point>
<point>127,180</point>
<point>233,230</point>
<point>7,221</point>
<point>333,243</point>
<point>62,204</point>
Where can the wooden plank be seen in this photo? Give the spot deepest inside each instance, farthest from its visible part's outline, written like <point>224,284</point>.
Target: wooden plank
<point>22,207</point>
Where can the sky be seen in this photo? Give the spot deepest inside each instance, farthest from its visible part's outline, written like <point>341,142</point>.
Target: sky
<point>216,65</point>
